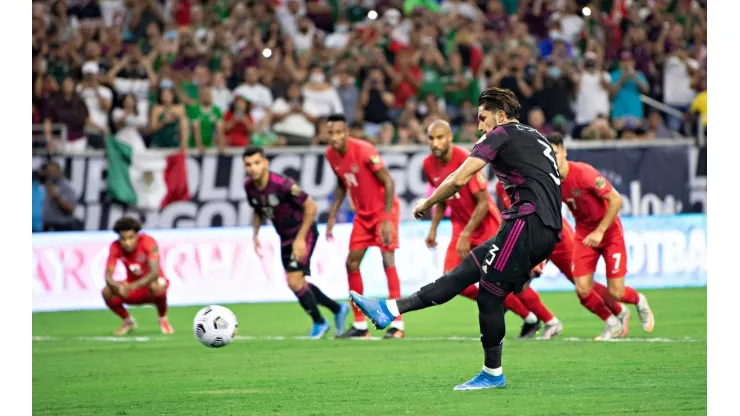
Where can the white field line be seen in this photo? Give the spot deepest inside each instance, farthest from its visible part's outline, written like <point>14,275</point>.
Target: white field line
<point>297,338</point>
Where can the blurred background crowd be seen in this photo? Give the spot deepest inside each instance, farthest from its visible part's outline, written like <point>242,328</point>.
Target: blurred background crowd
<point>220,73</point>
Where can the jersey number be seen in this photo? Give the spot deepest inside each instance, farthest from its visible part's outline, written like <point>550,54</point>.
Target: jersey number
<point>571,203</point>
<point>548,155</point>
<point>350,179</point>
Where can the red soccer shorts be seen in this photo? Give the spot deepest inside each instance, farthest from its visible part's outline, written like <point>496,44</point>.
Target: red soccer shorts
<point>143,295</point>
<point>452,260</point>
<point>612,248</point>
<point>366,231</point>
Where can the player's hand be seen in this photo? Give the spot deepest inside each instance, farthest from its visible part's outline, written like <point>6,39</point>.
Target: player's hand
<point>463,245</point>
<point>257,247</point>
<point>329,228</point>
<point>593,239</point>
<point>124,289</point>
<point>432,239</point>
<point>299,249</point>
<point>421,209</point>
<point>537,270</point>
<point>386,232</point>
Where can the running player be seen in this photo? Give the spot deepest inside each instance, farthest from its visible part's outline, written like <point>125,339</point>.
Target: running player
<point>523,159</point>
<point>600,302</point>
<point>475,218</point>
<point>145,282</point>
<point>280,200</point>
<point>595,205</point>
<point>361,173</point>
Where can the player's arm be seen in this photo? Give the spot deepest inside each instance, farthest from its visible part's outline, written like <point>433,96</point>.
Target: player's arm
<point>110,267</point>
<point>614,204</point>
<point>438,215</point>
<point>153,263</point>
<point>480,212</point>
<point>301,199</point>
<point>601,188</point>
<point>339,194</point>
<point>502,196</point>
<point>454,182</point>
<point>384,177</point>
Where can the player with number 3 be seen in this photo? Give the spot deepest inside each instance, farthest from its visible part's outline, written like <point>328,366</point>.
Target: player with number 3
<point>595,205</point>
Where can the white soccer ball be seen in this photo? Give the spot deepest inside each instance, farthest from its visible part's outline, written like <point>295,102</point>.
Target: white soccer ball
<point>215,326</point>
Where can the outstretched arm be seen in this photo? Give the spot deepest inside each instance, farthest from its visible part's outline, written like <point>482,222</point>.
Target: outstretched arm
<point>454,182</point>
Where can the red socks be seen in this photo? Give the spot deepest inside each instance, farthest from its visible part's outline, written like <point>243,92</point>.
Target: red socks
<point>609,301</point>
<point>116,305</point>
<point>595,304</point>
<point>355,283</point>
<point>470,292</point>
<point>513,304</point>
<point>161,303</point>
<point>532,301</point>
<point>394,285</point>
<point>630,296</point>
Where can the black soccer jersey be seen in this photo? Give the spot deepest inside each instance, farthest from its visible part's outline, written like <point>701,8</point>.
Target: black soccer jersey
<point>524,162</point>
<point>281,202</point>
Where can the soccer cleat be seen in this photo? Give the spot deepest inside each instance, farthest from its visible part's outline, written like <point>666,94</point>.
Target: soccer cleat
<point>353,332</point>
<point>483,381</point>
<point>530,330</point>
<point>165,327</point>
<point>340,319</point>
<point>126,328</point>
<point>374,309</point>
<point>552,330</point>
<point>646,314</point>
<point>394,333</point>
<point>318,330</point>
<point>610,332</point>
<point>624,318</point>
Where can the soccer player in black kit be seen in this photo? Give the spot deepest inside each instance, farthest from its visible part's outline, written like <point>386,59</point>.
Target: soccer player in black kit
<point>524,161</point>
<point>279,199</point>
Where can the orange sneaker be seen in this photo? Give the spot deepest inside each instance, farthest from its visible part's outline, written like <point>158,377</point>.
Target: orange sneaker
<point>126,328</point>
<point>165,326</point>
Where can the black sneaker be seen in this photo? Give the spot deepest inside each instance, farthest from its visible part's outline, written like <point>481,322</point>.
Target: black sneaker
<point>394,333</point>
<point>530,330</point>
<point>353,332</point>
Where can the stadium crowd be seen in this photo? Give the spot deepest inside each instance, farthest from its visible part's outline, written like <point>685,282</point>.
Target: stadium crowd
<point>219,73</point>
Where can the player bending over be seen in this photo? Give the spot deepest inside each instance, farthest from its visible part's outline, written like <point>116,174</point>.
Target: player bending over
<point>145,282</point>
<point>595,205</point>
<point>360,171</point>
<point>279,199</point>
<point>523,159</point>
<point>475,218</point>
<point>600,302</point>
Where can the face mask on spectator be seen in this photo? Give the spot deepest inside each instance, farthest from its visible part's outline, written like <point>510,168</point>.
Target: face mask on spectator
<point>317,78</point>
<point>554,72</point>
<point>166,84</point>
<point>341,29</point>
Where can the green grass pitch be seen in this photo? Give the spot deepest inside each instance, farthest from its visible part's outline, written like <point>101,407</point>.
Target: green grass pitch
<point>79,370</point>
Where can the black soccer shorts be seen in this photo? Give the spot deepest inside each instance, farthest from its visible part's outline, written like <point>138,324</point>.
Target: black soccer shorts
<point>507,259</point>
<point>291,264</point>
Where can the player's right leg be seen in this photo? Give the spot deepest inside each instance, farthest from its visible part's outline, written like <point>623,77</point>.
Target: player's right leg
<point>307,300</point>
<point>115,304</point>
<point>156,294</point>
<point>359,328</point>
<point>615,257</point>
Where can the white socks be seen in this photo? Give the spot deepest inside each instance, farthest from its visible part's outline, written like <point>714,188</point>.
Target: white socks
<point>612,320</point>
<point>493,371</point>
<point>361,325</point>
<point>553,321</point>
<point>392,307</point>
<point>530,319</point>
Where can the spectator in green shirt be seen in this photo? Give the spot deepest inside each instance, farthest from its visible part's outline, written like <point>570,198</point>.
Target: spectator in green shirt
<point>432,67</point>
<point>207,122</point>
<point>458,85</point>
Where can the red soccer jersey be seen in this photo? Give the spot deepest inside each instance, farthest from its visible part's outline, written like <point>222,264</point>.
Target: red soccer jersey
<point>584,190</point>
<point>462,204</point>
<point>356,169</point>
<point>136,262</point>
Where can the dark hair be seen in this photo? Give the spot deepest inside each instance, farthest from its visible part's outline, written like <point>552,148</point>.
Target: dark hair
<point>160,101</point>
<point>232,106</point>
<point>555,139</point>
<point>500,99</point>
<point>336,117</point>
<point>253,150</point>
<point>127,224</point>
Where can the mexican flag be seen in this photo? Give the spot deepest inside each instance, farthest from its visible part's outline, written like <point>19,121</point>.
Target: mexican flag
<point>144,178</point>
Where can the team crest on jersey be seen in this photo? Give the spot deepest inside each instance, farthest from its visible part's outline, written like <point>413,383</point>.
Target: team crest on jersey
<point>273,200</point>
<point>135,269</point>
<point>355,168</point>
<point>600,183</point>
<point>577,192</point>
<point>295,190</point>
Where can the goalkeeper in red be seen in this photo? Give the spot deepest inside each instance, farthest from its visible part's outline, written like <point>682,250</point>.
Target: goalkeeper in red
<point>595,205</point>
<point>145,282</point>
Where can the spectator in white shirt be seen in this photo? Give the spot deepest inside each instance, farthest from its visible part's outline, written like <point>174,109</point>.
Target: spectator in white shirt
<point>129,121</point>
<point>259,95</point>
<point>678,70</point>
<point>222,96</point>
<point>294,118</point>
<point>304,38</point>
<point>98,100</point>
<point>288,14</point>
<point>592,93</point>
<point>321,95</point>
